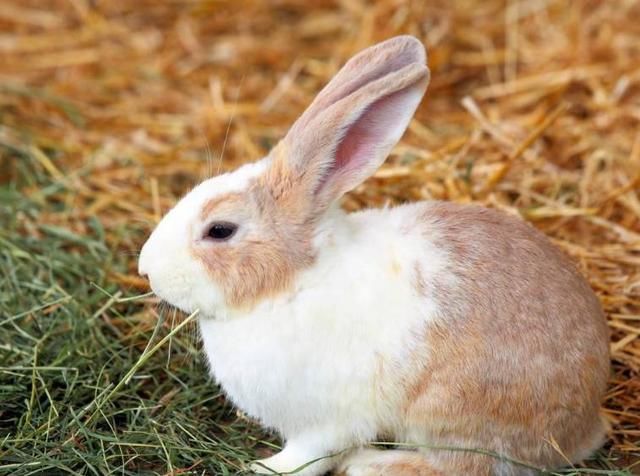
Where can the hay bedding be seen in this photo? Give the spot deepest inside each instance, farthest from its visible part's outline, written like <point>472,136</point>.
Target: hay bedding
<point>533,108</point>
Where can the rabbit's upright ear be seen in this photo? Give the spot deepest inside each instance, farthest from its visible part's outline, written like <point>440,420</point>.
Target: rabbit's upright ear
<point>354,122</point>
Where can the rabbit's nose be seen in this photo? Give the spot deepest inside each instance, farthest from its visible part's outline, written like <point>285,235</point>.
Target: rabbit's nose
<point>143,268</point>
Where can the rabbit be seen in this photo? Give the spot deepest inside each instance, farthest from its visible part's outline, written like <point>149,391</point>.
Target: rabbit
<point>459,333</point>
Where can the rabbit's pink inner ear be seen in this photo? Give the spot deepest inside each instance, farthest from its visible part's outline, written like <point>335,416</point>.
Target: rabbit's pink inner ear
<point>351,154</point>
<point>368,140</point>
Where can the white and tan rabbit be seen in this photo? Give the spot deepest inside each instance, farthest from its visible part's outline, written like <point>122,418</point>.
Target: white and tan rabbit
<point>430,324</point>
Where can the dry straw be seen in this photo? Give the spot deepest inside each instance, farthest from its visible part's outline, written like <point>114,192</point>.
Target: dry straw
<point>533,108</point>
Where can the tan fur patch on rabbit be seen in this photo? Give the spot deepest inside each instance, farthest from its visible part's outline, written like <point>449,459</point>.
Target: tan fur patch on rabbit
<point>264,264</point>
<point>369,462</point>
<point>419,467</point>
<point>282,187</point>
<point>492,255</point>
<point>248,274</point>
<point>229,201</point>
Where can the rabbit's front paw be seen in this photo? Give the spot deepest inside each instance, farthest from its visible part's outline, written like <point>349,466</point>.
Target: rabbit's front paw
<point>285,462</point>
<point>303,455</point>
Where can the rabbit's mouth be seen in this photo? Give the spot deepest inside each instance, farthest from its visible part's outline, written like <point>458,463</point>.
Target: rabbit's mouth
<point>186,291</point>
<point>172,295</point>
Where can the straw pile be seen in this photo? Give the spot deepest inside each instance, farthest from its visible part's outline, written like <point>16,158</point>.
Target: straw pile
<point>533,108</point>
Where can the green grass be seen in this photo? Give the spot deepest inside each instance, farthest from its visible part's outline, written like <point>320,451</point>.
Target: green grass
<point>68,348</point>
<point>90,382</point>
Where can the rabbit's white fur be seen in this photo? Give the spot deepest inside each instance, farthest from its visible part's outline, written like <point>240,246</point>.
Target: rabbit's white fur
<point>307,363</point>
<point>428,323</point>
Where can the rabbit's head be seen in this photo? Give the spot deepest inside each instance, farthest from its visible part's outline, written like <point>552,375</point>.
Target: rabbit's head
<point>242,237</point>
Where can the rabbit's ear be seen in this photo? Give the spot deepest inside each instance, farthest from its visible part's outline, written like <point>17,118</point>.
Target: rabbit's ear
<point>353,124</point>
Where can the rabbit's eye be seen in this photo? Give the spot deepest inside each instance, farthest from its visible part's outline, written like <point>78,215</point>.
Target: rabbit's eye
<point>222,231</point>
